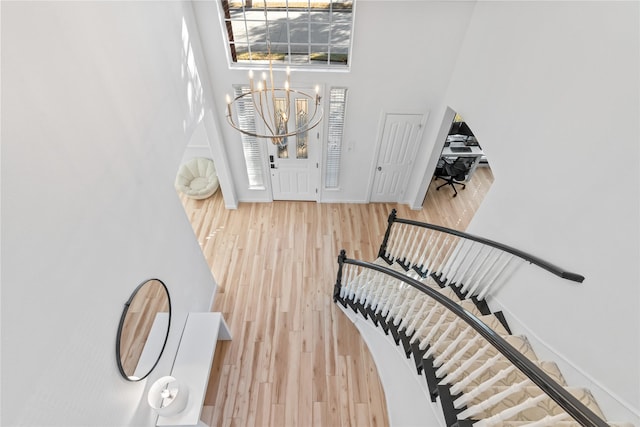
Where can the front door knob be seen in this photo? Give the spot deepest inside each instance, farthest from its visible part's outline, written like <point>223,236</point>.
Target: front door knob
<point>379,168</point>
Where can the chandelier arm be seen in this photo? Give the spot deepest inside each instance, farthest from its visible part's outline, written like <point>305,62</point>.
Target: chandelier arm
<point>271,123</point>
<point>258,135</point>
<point>276,119</point>
<point>315,111</point>
<point>314,120</point>
<point>261,112</point>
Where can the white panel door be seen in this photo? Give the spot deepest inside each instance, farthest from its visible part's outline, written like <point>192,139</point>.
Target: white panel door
<point>398,146</point>
<point>295,166</point>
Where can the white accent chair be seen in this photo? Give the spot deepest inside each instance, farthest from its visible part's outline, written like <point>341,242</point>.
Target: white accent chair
<point>197,178</point>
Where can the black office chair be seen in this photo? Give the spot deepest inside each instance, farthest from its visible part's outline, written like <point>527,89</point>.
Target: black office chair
<point>453,171</point>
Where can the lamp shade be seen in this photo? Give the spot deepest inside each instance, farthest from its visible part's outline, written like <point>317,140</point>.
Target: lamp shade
<point>168,396</point>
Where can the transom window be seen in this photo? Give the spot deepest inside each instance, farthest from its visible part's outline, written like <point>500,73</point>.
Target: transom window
<point>296,32</point>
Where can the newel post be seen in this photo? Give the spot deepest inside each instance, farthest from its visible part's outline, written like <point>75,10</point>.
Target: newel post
<point>336,289</point>
<point>383,246</point>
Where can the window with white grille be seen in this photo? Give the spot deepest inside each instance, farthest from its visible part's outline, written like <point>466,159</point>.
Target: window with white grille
<point>296,32</point>
<point>337,108</point>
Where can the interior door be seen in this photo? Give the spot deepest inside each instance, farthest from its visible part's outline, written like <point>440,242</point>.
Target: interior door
<point>398,146</point>
<point>294,163</point>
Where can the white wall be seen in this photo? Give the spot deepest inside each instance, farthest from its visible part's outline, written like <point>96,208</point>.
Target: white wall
<point>403,56</point>
<point>97,107</point>
<point>198,145</point>
<point>551,91</point>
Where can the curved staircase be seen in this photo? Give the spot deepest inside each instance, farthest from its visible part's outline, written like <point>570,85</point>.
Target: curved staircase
<point>427,291</point>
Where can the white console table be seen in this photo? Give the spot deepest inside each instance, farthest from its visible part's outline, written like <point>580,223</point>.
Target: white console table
<point>193,361</point>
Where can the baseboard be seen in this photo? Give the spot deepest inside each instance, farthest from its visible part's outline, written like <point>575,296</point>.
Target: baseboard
<point>326,200</point>
<point>614,407</point>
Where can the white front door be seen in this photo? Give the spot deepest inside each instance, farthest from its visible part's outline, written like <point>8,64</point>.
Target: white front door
<point>398,145</point>
<point>295,164</point>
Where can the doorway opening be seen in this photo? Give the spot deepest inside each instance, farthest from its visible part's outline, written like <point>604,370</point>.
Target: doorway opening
<point>462,176</point>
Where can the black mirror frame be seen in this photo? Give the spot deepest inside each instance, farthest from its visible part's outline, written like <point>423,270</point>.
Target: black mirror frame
<point>120,325</point>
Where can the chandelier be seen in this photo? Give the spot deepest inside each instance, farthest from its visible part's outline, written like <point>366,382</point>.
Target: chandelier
<point>272,105</point>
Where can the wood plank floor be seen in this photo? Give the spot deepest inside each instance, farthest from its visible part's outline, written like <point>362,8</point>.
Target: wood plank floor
<point>295,359</point>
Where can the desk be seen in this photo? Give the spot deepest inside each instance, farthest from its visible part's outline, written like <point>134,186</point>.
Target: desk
<point>475,152</point>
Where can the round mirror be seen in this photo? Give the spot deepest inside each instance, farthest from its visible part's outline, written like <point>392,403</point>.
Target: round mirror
<point>143,330</point>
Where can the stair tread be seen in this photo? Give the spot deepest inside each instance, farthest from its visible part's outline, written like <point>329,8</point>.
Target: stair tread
<point>550,368</point>
<point>543,408</point>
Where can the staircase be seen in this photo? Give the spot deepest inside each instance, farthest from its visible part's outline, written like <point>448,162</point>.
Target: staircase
<point>426,289</point>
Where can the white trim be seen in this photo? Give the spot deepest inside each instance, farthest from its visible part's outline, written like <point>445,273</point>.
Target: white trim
<point>361,202</point>
<point>430,167</point>
<point>264,64</point>
<point>380,133</point>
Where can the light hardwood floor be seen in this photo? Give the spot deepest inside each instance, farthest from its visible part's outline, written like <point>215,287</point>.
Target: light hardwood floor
<point>295,359</point>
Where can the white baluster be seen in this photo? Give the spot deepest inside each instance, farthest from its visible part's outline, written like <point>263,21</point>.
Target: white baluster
<point>402,244</point>
<point>415,246</point>
<point>458,262</point>
<point>440,360</point>
<point>469,267</point>
<point>423,249</point>
<point>477,373</point>
<point>434,250</point>
<point>491,281</point>
<point>465,264</point>
<point>410,315</point>
<point>482,387</point>
<point>427,304</point>
<point>413,238</point>
<point>488,267</point>
<point>443,337</point>
<point>376,287</point>
<point>409,297</point>
<point>454,247</point>
<point>434,311</point>
<point>362,285</point>
<point>373,284</point>
<point>425,342</point>
<point>462,369</point>
<point>347,280</point>
<point>393,298</point>
<point>452,345</point>
<point>395,305</point>
<point>428,247</point>
<point>469,282</point>
<point>385,289</point>
<point>383,297</point>
<point>393,242</point>
<point>498,397</point>
<point>452,260</point>
<point>504,415</point>
<point>434,264</point>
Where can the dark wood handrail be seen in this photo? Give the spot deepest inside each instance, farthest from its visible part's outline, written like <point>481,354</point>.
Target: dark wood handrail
<point>555,391</point>
<point>560,272</point>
